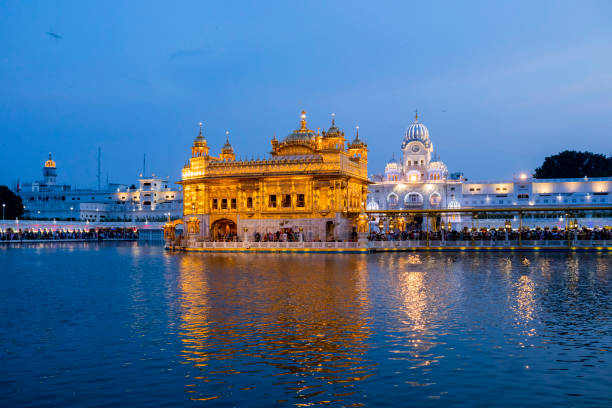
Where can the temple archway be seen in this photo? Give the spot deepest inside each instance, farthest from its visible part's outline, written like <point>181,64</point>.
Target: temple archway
<point>223,229</point>
<point>329,231</point>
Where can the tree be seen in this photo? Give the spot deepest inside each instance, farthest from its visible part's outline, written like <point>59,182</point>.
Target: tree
<point>14,206</point>
<point>572,164</point>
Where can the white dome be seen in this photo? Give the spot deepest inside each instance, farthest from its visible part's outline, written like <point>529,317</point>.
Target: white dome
<point>417,131</point>
<point>454,204</point>
<point>372,206</point>
<point>392,166</point>
<point>438,166</point>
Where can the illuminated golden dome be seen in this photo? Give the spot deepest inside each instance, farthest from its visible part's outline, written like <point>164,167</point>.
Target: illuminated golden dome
<point>227,147</point>
<point>200,140</point>
<point>303,134</point>
<point>50,162</point>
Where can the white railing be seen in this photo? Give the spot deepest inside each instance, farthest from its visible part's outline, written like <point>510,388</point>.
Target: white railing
<point>487,243</point>
<point>399,245</point>
<point>273,245</point>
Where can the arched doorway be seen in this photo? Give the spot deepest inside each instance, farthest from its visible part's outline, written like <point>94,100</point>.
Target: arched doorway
<point>223,230</point>
<point>329,231</point>
<point>170,230</point>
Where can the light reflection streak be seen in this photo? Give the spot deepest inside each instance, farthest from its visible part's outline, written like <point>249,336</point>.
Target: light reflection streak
<point>298,325</point>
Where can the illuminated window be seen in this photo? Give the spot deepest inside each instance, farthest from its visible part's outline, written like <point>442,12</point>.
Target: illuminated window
<point>272,201</point>
<point>249,202</point>
<point>287,200</point>
<point>300,200</point>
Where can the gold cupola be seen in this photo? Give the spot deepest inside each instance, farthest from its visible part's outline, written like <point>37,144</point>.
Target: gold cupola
<point>301,141</point>
<point>358,149</point>
<point>333,139</point>
<point>50,163</point>
<point>227,151</point>
<point>200,146</point>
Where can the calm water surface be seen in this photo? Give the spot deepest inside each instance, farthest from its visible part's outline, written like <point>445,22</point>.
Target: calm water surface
<point>93,325</point>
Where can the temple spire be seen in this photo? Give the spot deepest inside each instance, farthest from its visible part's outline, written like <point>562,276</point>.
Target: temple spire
<point>227,136</point>
<point>416,115</point>
<point>201,130</point>
<point>303,121</point>
<point>333,119</point>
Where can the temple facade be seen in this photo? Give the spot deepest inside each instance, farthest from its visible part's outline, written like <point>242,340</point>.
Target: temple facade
<point>418,180</point>
<point>312,183</point>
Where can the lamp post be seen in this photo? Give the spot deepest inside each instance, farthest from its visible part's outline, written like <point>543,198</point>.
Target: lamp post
<point>71,214</point>
<point>3,207</point>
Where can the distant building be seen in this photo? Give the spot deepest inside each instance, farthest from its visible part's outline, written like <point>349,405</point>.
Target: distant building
<point>152,199</point>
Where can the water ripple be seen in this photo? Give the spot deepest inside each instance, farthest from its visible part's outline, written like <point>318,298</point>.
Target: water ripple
<point>108,325</point>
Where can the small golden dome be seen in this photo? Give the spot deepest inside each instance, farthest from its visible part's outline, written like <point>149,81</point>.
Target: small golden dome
<point>50,162</point>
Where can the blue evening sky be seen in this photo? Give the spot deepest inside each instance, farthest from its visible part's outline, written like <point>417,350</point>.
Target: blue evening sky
<point>500,85</point>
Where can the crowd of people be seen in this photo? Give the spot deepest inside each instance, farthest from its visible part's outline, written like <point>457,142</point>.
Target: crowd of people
<point>285,235</point>
<point>493,234</point>
<point>91,235</point>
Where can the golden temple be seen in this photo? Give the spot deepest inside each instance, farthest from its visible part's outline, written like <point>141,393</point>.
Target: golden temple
<point>312,184</point>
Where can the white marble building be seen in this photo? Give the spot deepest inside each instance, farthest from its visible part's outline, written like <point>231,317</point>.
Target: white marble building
<point>419,180</point>
<point>152,199</point>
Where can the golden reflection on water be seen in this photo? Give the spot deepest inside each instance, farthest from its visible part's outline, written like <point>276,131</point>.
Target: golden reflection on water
<point>525,300</point>
<point>412,289</point>
<point>275,321</point>
<point>420,286</point>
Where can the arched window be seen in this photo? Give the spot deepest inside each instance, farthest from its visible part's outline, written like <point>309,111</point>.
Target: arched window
<point>413,199</point>
<point>435,199</point>
<point>393,200</point>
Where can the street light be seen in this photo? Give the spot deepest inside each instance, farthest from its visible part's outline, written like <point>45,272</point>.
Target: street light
<point>71,216</point>
<point>3,207</point>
